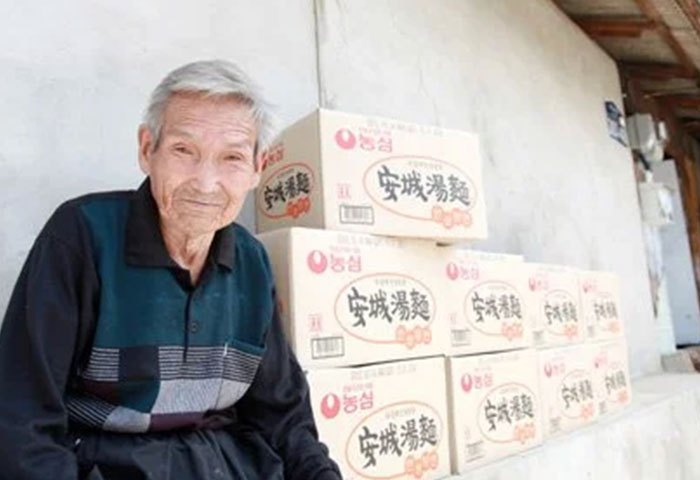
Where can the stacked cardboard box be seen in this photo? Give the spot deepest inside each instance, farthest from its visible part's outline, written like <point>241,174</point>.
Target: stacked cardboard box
<point>357,286</point>
<point>339,171</point>
<point>422,357</point>
<point>384,421</point>
<point>494,406</point>
<point>350,299</point>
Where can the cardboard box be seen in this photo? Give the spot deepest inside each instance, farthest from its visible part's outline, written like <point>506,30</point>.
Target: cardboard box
<point>494,405</point>
<point>600,304</point>
<point>349,299</point>
<point>554,305</point>
<point>567,379</point>
<point>339,171</point>
<point>386,421</point>
<point>488,310</point>
<point>612,376</point>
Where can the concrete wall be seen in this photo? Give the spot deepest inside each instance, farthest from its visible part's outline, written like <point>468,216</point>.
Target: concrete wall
<point>518,73</point>
<point>558,189</point>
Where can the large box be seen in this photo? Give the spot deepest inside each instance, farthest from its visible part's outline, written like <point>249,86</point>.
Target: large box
<point>488,309</point>
<point>554,305</point>
<point>568,388</point>
<point>494,404</point>
<point>349,298</point>
<point>612,376</point>
<point>600,305</point>
<point>339,171</point>
<point>386,421</point>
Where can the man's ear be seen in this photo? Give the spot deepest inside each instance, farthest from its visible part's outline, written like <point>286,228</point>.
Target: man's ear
<point>145,148</point>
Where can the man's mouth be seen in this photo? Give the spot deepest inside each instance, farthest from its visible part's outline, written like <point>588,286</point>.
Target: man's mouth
<point>202,203</point>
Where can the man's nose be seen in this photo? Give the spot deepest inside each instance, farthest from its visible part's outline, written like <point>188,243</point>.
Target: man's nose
<point>207,174</point>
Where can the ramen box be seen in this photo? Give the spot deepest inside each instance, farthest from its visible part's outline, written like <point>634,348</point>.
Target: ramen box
<point>338,171</point>
<point>386,421</point>
<point>348,298</point>
<point>487,311</point>
<point>494,406</point>
<point>611,375</point>
<point>600,305</point>
<point>554,305</point>
<point>567,377</point>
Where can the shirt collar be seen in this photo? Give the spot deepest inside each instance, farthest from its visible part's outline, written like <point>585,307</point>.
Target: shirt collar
<point>144,241</point>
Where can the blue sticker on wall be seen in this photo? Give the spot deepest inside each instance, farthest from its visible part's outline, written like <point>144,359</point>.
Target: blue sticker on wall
<point>616,123</point>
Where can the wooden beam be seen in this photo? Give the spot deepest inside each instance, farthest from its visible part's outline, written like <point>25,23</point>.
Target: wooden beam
<point>691,102</point>
<point>652,13</point>
<point>692,127</point>
<point>656,71</point>
<point>598,26</point>
<point>691,9</point>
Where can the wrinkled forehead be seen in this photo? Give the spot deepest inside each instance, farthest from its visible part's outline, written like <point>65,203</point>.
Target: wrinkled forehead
<point>198,115</point>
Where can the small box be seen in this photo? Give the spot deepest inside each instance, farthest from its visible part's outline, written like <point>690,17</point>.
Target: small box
<point>494,405</point>
<point>339,171</point>
<point>554,305</point>
<point>348,298</point>
<point>600,304</point>
<point>384,421</point>
<point>488,307</point>
<point>568,388</point>
<point>612,376</point>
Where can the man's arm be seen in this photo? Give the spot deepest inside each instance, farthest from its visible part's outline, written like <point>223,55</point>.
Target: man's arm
<point>277,404</point>
<point>37,348</point>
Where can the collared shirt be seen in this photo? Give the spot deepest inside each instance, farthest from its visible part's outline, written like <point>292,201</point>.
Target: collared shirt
<point>105,335</point>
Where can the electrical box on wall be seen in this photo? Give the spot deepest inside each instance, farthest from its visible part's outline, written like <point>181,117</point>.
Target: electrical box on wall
<point>647,136</point>
<point>656,203</point>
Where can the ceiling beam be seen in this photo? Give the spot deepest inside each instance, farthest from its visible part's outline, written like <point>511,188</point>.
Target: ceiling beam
<point>652,13</point>
<point>656,71</point>
<point>691,9</point>
<point>680,101</point>
<point>619,26</point>
<point>692,127</point>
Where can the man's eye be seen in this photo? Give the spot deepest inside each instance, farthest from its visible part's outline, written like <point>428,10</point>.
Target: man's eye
<point>183,150</point>
<point>234,158</point>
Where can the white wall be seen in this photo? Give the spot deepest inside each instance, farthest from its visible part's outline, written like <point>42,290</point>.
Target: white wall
<point>76,76</point>
<point>558,189</point>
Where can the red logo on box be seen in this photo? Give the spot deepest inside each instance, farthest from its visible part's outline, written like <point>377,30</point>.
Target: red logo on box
<point>467,382</point>
<point>317,261</point>
<point>345,139</point>
<point>452,271</point>
<point>330,405</point>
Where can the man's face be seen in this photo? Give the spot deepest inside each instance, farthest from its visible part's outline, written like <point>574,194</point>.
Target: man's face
<point>204,164</point>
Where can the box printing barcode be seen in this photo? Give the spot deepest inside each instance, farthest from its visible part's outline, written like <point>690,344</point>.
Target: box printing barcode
<point>602,408</point>
<point>356,214</point>
<point>460,337</point>
<point>538,338</point>
<point>475,450</point>
<point>327,347</point>
<point>591,331</point>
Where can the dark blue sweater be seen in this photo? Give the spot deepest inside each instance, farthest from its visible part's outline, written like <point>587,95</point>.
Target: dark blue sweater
<point>113,363</point>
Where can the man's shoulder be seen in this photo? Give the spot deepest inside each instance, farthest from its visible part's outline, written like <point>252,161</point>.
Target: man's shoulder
<point>246,239</point>
<point>88,199</point>
<point>249,246</point>
<point>67,222</point>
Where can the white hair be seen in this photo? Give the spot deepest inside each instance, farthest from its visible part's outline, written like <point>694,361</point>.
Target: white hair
<point>210,78</point>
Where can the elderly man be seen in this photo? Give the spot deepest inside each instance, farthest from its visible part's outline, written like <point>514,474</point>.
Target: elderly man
<point>142,338</point>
